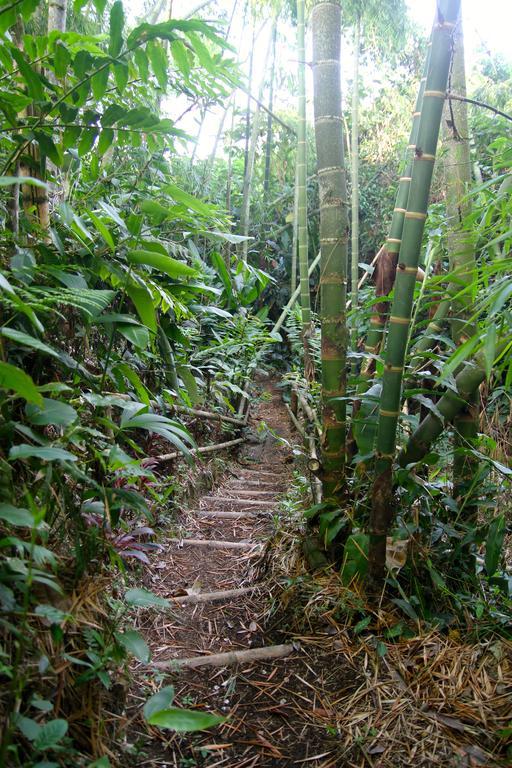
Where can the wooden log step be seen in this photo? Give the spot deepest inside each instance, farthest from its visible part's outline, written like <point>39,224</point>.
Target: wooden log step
<point>253,473</point>
<point>213,597</point>
<point>215,544</point>
<point>250,492</point>
<point>242,502</point>
<point>227,659</point>
<point>221,514</point>
<point>263,484</point>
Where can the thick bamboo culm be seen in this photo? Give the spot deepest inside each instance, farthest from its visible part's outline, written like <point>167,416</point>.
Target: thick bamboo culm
<point>326,22</point>
<point>410,249</point>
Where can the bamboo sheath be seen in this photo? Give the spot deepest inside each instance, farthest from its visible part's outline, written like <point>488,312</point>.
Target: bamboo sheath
<point>409,253</point>
<point>326,23</point>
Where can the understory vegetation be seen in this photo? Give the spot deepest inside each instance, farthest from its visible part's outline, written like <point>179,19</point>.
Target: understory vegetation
<point>147,273</point>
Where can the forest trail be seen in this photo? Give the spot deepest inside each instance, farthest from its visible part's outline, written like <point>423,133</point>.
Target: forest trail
<point>278,708</point>
<point>332,700</point>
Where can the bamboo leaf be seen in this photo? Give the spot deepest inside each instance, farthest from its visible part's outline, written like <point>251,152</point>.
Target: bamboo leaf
<point>494,544</point>
<point>184,720</point>
<point>135,644</point>
<point>166,264</point>
<point>161,700</point>
<point>116,29</point>
<point>14,379</point>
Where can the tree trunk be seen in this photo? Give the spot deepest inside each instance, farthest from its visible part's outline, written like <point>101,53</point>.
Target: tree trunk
<point>302,218</point>
<point>410,248</point>
<point>57,12</point>
<point>355,182</point>
<point>268,150</point>
<point>326,22</point>
<point>295,233</point>
<point>461,251</point>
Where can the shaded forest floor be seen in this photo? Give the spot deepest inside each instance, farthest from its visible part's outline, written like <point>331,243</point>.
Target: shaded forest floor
<point>336,699</point>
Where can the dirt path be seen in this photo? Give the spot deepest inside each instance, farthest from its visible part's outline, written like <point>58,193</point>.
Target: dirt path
<point>266,700</point>
<point>332,701</point>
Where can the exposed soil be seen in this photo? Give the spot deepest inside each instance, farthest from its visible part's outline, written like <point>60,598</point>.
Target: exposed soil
<point>333,701</point>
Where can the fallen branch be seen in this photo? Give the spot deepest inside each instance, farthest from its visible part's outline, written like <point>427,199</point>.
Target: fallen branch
<point>244,502</point>
<point>215,544</point>
<point>227,659</point>
<point>296,423</point>
<point>203,449</point>
<point>224,515</point>
<point>212,597</point>
<point>210,415</point>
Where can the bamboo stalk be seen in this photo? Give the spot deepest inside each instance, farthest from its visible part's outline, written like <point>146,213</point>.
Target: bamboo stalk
<point>214,544</point>
<point>213,597</point>
<point>391,247</point>
<point>302,227</point>
<point>410,248</point>
<point>227,659</point>
<point>326,21</point>
<point>203,449</point>
<point>461,252</point>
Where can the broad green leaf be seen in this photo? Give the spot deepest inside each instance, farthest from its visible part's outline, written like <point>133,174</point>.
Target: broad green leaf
<point>184,720</point>
<point>102,228</point>
<point>61,60</point>
<point>52,614</point>
<point>159,63</point>
<point>181,58</point>
<point>33,80</point>
<point>494,544</point>
<point>121,75</point>
<point>142,598</point>
<point>46,453</point>
<point>202,52</point>
<point>355,559</point>
<point>161,700</point>
<point>51,734</point>
<point>134,643</point>
<point>189,200</point>
<point>116,29</point>
<point>138,335</point>
<point>99,83</point>
<point>105,141</point>
<point>13,378</point>
<point>8,181</point>
<point>16,516</point>
<point>87,140</point>
<point>51,412</point>
<point>166,264</point>
<point>143,302</point>
<point>141,60</point>
<point>28,341</point>
<point>29,728</point>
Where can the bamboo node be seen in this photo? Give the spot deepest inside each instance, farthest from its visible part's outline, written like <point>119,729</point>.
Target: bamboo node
<point>391,414</point>
<point>393,368</point>
<point>405,178</point>
<point>330,169</point>
<point>399,210</point>
<point>408,270</point>
<point>399,320</point>
<point>328,119</point>
<point>393,240</point>
<point>435,94</point>
<point>418,215</point>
